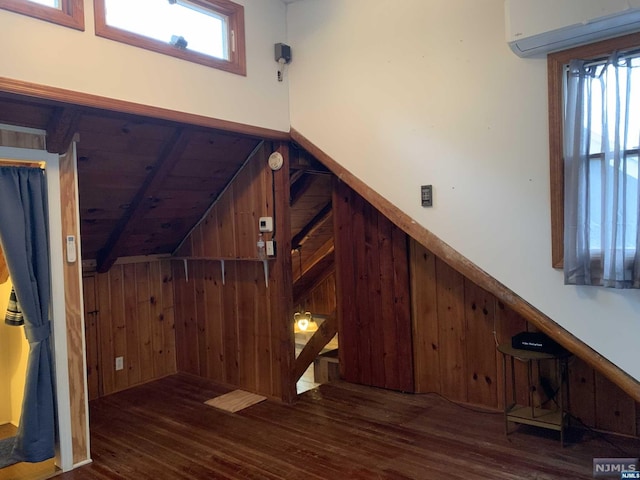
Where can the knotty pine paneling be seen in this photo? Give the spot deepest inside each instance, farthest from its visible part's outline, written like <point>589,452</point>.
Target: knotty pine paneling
<point>615,411</point>
<point>455,350</point>
<point>507,324</point>
<point>451,332</point>
<point>321,298</point>
<point>482,369</point>
<point>130,312</point>
<point>91,337</point>
<point>237,333</point>
<point>424,317</point>
<point>372,283</point>
<point>582,399</point>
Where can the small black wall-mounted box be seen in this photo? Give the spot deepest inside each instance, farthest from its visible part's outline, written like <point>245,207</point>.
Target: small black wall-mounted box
<point>536,342</point>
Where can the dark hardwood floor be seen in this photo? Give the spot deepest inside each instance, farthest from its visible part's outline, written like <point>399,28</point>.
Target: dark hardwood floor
<point>163,430</point>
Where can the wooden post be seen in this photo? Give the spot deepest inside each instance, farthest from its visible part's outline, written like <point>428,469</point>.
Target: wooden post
<point>282,285</point>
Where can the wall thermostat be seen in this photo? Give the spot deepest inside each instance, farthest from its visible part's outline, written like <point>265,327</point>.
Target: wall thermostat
<point>265,224</point>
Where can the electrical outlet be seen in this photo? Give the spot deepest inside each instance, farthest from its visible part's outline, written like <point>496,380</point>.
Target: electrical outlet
<point>119,363</point>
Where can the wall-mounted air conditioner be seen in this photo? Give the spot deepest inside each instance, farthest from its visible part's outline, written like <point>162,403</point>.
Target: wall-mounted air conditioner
<point>537,27</point>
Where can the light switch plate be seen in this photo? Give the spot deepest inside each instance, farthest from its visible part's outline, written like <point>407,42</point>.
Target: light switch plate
<point>426,195</point>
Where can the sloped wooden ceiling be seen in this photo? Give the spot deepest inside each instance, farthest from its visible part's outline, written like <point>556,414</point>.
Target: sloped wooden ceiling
<point>143,182</point>
<point>311,222</point>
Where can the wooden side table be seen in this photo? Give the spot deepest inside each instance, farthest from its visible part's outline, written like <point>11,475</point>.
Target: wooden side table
<point>554,419</point>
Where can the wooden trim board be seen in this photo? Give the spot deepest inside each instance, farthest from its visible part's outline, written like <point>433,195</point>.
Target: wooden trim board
<point>17,87</point>
<point>474,273</point>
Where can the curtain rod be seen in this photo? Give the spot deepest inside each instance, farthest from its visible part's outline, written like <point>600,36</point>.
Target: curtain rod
<point>634,53</point>
<point>4,162</point>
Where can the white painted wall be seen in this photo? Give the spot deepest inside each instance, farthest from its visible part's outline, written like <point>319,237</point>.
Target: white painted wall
<point>48,54</point>
<point>410,92</point>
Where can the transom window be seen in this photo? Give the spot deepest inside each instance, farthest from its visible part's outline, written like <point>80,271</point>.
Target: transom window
<point>209,32</point>
<point>49,3</point>
<point>69,13</point>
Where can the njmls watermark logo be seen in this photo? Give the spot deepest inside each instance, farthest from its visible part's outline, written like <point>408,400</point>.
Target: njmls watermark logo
<point>629,475</point>
<point>615,468</point>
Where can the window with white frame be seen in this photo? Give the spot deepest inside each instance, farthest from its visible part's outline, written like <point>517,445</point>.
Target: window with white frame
<point>209,32</point>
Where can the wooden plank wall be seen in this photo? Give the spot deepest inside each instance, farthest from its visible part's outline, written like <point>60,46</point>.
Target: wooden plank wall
<point>372,283</point>
<point>129,313</point>
<point>239,333</point>
<point>455,349</point>
<point>321,298</point>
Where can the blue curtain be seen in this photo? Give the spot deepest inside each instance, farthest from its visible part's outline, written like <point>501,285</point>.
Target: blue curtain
<point>24,239</point>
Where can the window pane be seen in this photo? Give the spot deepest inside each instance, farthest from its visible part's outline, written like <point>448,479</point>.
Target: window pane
<point>205,31</point>
<point>68,13</point>
<point>633,139</point>
<point>48,3</point>
<point>601,208</point>
<point>607,118</point>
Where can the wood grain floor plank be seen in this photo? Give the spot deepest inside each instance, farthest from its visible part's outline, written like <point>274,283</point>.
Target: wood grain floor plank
<point>164,430</point>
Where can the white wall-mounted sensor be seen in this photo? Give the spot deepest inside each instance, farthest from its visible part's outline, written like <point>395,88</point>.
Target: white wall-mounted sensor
<point>265,224</point>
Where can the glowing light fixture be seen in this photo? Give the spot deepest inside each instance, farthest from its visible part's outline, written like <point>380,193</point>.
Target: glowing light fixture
<point>303,320</point>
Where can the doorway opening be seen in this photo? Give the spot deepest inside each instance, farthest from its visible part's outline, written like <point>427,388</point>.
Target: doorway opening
<point>313,268</point>
<point>17,348</point>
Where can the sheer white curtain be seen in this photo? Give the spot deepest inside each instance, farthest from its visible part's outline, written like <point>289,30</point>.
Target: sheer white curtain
<point>601,136</point>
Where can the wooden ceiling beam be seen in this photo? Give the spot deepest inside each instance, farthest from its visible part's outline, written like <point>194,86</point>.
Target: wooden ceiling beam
<point>61,128</point>
<point>318,256</point>
<point>313,275</point>
<point>167,160</point>
<point>316,343</point>
<point>302,161</point>
<point>310,227</point>
<point>299,187</point>
<point>295,176</point>
<point>314,270</point>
